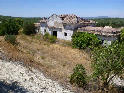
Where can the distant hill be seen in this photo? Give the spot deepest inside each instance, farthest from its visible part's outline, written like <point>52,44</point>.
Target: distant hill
<point>96,17</point>
<point>25,19</point>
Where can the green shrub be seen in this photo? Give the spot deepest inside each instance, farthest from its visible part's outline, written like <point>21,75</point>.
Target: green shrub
<point>49,38</point>
<point>29,28</point>
<point>83,40</point>
<point>10,26</point>
<point>11,39</point>
<point>46,36</point>
<point>79,76</point>
<point>1,32</point>
<point>122,35</point>
<point>52,39</point>
<point>108,62</point>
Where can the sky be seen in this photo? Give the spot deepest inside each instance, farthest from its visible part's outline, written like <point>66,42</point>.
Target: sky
<point>45,8</point>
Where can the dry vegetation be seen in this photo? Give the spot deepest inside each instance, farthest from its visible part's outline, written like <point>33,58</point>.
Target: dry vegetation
<point>56,60</point>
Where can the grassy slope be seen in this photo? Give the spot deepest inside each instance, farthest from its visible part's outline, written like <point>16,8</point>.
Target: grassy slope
<point>55,60</point>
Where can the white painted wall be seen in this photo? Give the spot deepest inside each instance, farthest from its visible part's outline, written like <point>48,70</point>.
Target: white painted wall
<point>43,30</point>
<point>54,23</point>
<point>60,34</point>
<point>107,40</point>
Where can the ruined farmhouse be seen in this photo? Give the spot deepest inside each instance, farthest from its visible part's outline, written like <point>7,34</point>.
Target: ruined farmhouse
<point>63,27</point>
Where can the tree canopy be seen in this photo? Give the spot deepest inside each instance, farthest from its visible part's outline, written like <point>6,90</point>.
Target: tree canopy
<point>122,35</point>
<point>29,29</point>
<point>108,62</point>
<point>10,26</point>
<point>83,40</point>
<point>114,22</point>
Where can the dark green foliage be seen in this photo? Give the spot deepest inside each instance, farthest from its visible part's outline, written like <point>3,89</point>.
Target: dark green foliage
<point>11,39</point>
<point>114,22</point>
<point>122,35</point>
<point>19,22</point>
<point>10,26</point>
<point>108,62</point>
<point>31,19</point>
<point>49,38</point>
<point>29,28</point>
<point>24,19</point>
<point>83,40</point>
<point>1,31</point>
<point>79,76</point>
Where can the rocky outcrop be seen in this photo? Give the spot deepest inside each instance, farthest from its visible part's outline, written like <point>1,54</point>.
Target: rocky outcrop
<point>32,81</point>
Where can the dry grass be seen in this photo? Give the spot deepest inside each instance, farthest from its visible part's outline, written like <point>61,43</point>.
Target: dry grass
<point>55,60</point>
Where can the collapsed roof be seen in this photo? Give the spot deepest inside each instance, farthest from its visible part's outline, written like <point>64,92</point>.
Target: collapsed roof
<point>105,31</point>
<point>70,19</point>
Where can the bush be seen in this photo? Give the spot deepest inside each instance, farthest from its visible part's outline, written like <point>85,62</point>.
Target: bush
<point>52,39</point>
<point>122,35</point>
<point>1,32</point>
<point>46,36</point>
<point>108,62</point>
<point>29,28</point>
<point>79,76</point>
<point>83,40</point>
<point>10,27</point>
<point>11,39</point>
<point>49,38</point>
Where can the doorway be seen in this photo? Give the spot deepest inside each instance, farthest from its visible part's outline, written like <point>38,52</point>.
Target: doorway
<point>55,33</point>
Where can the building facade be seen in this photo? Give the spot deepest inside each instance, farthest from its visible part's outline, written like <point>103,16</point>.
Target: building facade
<point>62,26</point>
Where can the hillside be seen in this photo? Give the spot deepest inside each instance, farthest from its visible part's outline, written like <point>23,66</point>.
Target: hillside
<point>55,60</point>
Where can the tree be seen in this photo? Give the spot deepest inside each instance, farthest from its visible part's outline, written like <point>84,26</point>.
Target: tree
<point>10,27</point>
<point>82,40</point>
<point>114,22</point>
<point>108,62</point>
<point>1,31</point>
<point>19,22</point>
<point>29,28</point>
<point>122,35</point>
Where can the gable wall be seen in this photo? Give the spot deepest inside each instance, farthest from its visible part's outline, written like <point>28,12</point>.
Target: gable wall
<point>55,21</point>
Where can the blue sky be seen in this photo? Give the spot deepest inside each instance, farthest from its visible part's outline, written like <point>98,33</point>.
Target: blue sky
<point>41,8</point>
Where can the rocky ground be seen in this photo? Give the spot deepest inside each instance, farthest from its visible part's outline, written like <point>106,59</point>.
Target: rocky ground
<point>15,78</point>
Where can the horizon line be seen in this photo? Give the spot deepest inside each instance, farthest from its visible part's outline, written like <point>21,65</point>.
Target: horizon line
<point>69,13</point>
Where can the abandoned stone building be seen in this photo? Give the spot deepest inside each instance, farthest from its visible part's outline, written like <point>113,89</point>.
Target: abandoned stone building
<point>62,26</point>
<point>107,34</point>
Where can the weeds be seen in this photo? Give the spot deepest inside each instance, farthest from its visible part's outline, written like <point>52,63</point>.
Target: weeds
<point>11,39</point>
<point>49,38</point>
<point>79,76</point>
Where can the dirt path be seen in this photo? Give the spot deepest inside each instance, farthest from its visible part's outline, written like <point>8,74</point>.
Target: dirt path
<point>19,79</point>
